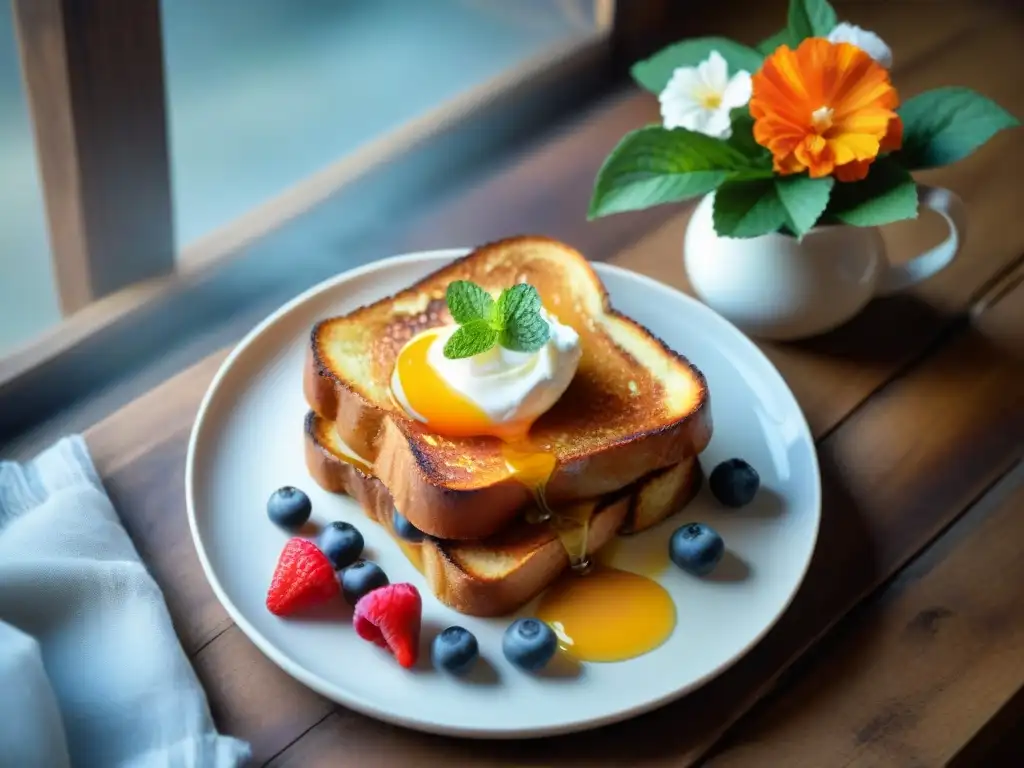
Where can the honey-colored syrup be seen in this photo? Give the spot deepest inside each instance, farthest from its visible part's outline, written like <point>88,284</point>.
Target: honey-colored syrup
<point>648,561</point>
<point>608,614</point>
<point>413,552</point>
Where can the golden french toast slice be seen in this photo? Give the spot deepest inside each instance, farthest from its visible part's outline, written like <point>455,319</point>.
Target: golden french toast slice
<point>497,575</point>
<point>634,405</point>
<point>663,493</point>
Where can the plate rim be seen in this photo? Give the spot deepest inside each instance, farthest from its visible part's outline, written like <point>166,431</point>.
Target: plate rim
<point>367,707</point>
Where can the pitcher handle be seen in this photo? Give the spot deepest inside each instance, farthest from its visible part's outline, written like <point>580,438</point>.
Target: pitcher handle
<point>948,205</point>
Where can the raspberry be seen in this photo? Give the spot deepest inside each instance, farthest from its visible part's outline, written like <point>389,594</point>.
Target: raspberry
<point>390,616</point>
<point>304,577</point>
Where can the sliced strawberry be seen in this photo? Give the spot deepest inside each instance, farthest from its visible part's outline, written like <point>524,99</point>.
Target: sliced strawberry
<point>304,577</point>
<point>390,617</point>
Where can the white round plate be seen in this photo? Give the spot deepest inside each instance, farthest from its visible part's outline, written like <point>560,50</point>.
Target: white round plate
<point>248,441</point>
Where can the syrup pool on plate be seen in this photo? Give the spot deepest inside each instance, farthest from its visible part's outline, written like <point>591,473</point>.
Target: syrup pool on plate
<point>598,611</point>
<point>608,614</point>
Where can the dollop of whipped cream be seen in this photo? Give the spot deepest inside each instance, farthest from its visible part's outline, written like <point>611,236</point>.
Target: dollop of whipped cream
<point>509,387</point>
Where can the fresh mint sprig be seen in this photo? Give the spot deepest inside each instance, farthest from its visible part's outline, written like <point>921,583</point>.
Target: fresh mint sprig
<point>513,321</point>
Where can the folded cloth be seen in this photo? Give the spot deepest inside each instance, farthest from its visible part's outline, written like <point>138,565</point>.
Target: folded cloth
<point>91,671</point>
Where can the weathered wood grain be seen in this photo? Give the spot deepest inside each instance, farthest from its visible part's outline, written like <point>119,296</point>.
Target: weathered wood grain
<point>914,676</point>
<point>278,708</point>
<point>999,742</point>
<point>139,453</point>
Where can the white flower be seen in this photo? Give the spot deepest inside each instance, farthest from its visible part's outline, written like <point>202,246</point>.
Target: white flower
<point>699,98</point>
<point>867,41</point>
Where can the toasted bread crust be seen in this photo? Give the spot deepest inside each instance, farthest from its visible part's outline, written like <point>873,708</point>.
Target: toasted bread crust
<point>665,492</point>
<point>426,474</point>
<point>543,556</point>
<point>538,555</point>
<point>468,593</point>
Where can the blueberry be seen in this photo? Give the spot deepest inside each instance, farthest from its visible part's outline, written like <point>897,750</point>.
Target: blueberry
<point>734,482</point>
<point>404,529</point>
<point>529,644</point>
<point>342,543</point>
<point>696,548</point>
<point>289,507</point>
<point>454,650</point>
<point>360,578</point>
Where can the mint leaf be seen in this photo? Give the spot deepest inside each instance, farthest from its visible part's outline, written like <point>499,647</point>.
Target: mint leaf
<point>804,199</point>
<point>748,208</point>
<point>470,339</point>
<point>810,18</point>
<point>887,194</point>
<point>527,334</point>
<point>947,124</point>
<point>655,72</point>
<point>522,327</point>
<point>467,301</point>
<point>769,45</point>
<point>655,165</point>
<point>517,304</point>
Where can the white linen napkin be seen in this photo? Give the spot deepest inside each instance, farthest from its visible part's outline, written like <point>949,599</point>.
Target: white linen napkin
<point>91,671</point>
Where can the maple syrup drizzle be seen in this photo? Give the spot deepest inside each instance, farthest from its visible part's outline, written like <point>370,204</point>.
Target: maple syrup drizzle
<point>412,552</point>
<point>608,614</point>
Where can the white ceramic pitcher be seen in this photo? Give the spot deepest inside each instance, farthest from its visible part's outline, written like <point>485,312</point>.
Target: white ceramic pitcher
<point>777,287</point>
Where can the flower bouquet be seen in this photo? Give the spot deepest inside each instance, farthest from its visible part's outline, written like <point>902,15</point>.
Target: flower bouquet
<point>805,129</point>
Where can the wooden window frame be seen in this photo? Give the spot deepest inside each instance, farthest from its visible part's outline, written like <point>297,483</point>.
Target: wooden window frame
<point>94,78</point>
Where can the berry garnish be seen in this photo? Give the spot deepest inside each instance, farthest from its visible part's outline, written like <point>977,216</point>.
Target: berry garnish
<point>341,542</point>
<point>304,577</point>
<point>734,482</point>
<point>454,650</point>
<point>390,617</point>
<point>289,507</point>
<point>696,548</point>
<point>404,529</point>
<point>361,578</point>
<point>529,644</point>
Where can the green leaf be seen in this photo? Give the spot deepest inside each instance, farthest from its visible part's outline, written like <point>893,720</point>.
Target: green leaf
<point>804,199</point>
<point>516,304</point>
<point>769,45</point>
<point>947,124</point>
<point>748,208</point>
<point>467,301</point>
<point>470,339</point>
<point>655,165</point>
<point>655,72</point>
<point>810,18</point>
<point>527,334</point>
<point>522,329</point>
<point>887,194</point>
<point>742,139</point>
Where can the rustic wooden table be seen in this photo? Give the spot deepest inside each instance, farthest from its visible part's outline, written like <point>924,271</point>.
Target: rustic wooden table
<point>905,645</point>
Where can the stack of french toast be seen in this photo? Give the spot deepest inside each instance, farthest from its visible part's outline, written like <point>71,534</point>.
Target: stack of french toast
<point>625,435</point>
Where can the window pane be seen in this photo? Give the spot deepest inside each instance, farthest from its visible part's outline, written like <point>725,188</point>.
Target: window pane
<point>264,93</point>
<point>28,297</point>
<point>261,95</point>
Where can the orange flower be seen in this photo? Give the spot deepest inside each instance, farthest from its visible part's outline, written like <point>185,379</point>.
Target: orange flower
<point>824,108</point>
